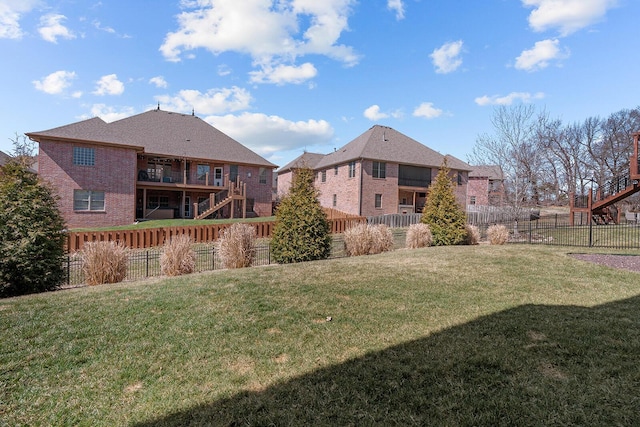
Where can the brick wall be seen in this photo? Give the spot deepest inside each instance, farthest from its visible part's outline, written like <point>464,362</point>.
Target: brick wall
<point>114,173</point>
<point>387,187</point>
<point>478,187</point>
<point>261,193</point>
<point>347,190</point>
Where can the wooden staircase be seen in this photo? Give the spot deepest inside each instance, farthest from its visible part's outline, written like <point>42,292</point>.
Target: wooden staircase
<point>236,192</point>
<point>598,204</point>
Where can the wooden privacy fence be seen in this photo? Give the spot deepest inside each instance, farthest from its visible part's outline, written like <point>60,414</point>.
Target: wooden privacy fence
<point>150,237</point>
<point>395,220</point>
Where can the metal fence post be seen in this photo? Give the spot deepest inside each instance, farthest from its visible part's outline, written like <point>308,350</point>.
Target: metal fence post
<point>591,233</point>
<point>147,266</point>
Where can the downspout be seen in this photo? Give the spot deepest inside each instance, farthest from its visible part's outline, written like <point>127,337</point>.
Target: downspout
<point>361,190</point>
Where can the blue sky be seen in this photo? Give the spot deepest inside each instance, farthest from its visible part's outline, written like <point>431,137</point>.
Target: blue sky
<point>284,76</point>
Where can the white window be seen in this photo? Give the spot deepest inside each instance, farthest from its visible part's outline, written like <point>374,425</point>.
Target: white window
<point>352,169</point>
<point>87,200</point>
<point>335,200</point>
<point>379,170</point>
<point>263,175</point>
<point>324,176</point>
<point>84,156</point>
<point>335,170</point>
<point>378,201</point>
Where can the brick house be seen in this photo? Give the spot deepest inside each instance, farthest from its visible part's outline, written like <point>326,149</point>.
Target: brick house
<point>486,186</point>
<point>380,172</point>
<point>152,165</point>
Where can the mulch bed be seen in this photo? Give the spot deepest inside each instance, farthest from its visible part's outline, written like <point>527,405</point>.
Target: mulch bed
<point>626,262</point>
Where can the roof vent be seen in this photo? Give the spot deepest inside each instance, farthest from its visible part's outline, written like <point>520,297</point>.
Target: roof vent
<point>158,106</point>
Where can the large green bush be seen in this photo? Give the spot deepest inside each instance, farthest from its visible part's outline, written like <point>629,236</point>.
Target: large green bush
<point>31,233</point>
<point>443,214</point>
<point>302,231</point>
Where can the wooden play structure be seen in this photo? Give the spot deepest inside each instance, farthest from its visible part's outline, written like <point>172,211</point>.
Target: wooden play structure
<point>598,204</point>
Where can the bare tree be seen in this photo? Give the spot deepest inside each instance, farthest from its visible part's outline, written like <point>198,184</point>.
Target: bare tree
<point>24,149</point>
<point>513,147</point>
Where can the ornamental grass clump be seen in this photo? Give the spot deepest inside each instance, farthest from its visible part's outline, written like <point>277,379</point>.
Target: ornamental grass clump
<point>104,262</point>
<point>473,235</point>
<point>237,246</point>
<point>177,256</point>
<point>365,239</point>
<point>498,234</point>
<point>418,236</point>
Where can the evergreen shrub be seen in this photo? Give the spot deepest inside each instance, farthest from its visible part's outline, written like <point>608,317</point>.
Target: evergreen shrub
<point>31,233</point>
<point>302,231</point>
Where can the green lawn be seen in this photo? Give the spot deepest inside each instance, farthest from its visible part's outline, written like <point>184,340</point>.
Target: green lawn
<point>448,336</point>
<point>161,223</point>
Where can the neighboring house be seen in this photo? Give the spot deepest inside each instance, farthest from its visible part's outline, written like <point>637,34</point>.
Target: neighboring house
<point>486,186</point>
<point>380,172</point>
<point>4,158</point>
<point>152,165</point>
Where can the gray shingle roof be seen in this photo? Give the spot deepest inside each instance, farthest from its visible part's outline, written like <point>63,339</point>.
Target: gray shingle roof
<point>4,158</point>
<point>162,133</point>
<point>387,144</point>
<point>304,160</point>
<point>456,163</point>
<point>487,171</point>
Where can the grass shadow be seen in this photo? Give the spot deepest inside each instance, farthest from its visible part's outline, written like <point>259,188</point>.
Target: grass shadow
<point>531,365</point>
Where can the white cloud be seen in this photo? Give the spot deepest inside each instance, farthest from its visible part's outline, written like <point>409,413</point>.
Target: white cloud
<point>277,34</point>
<point>398,7</point>
<point>10,13</point>
<point>109,85</point>
<point>427,110</point>
<point>282,74</point>
<point>224,70</point>
<point>269,135</point>
<point>567,16</point>
<point>158,81</point>
<point>373,113</point>
<point>446,58</point>
<point>55,83</point>
<point>540,55</point>
<point>98,25</point>
<point>108,113</point>
<point>509,99</point>
<point>214,101</point>
<point>51,28</point>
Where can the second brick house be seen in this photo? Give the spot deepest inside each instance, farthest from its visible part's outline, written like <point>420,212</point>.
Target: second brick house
<point>380,172</point>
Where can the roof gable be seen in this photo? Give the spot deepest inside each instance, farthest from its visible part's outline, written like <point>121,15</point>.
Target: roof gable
<point>487,171</point>
<point>387,144</point>
<point>306,159</point>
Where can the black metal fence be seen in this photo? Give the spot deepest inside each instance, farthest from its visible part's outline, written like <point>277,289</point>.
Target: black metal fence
<point>543,230</point>
<point>556,230</point>
<point>145,263</point>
